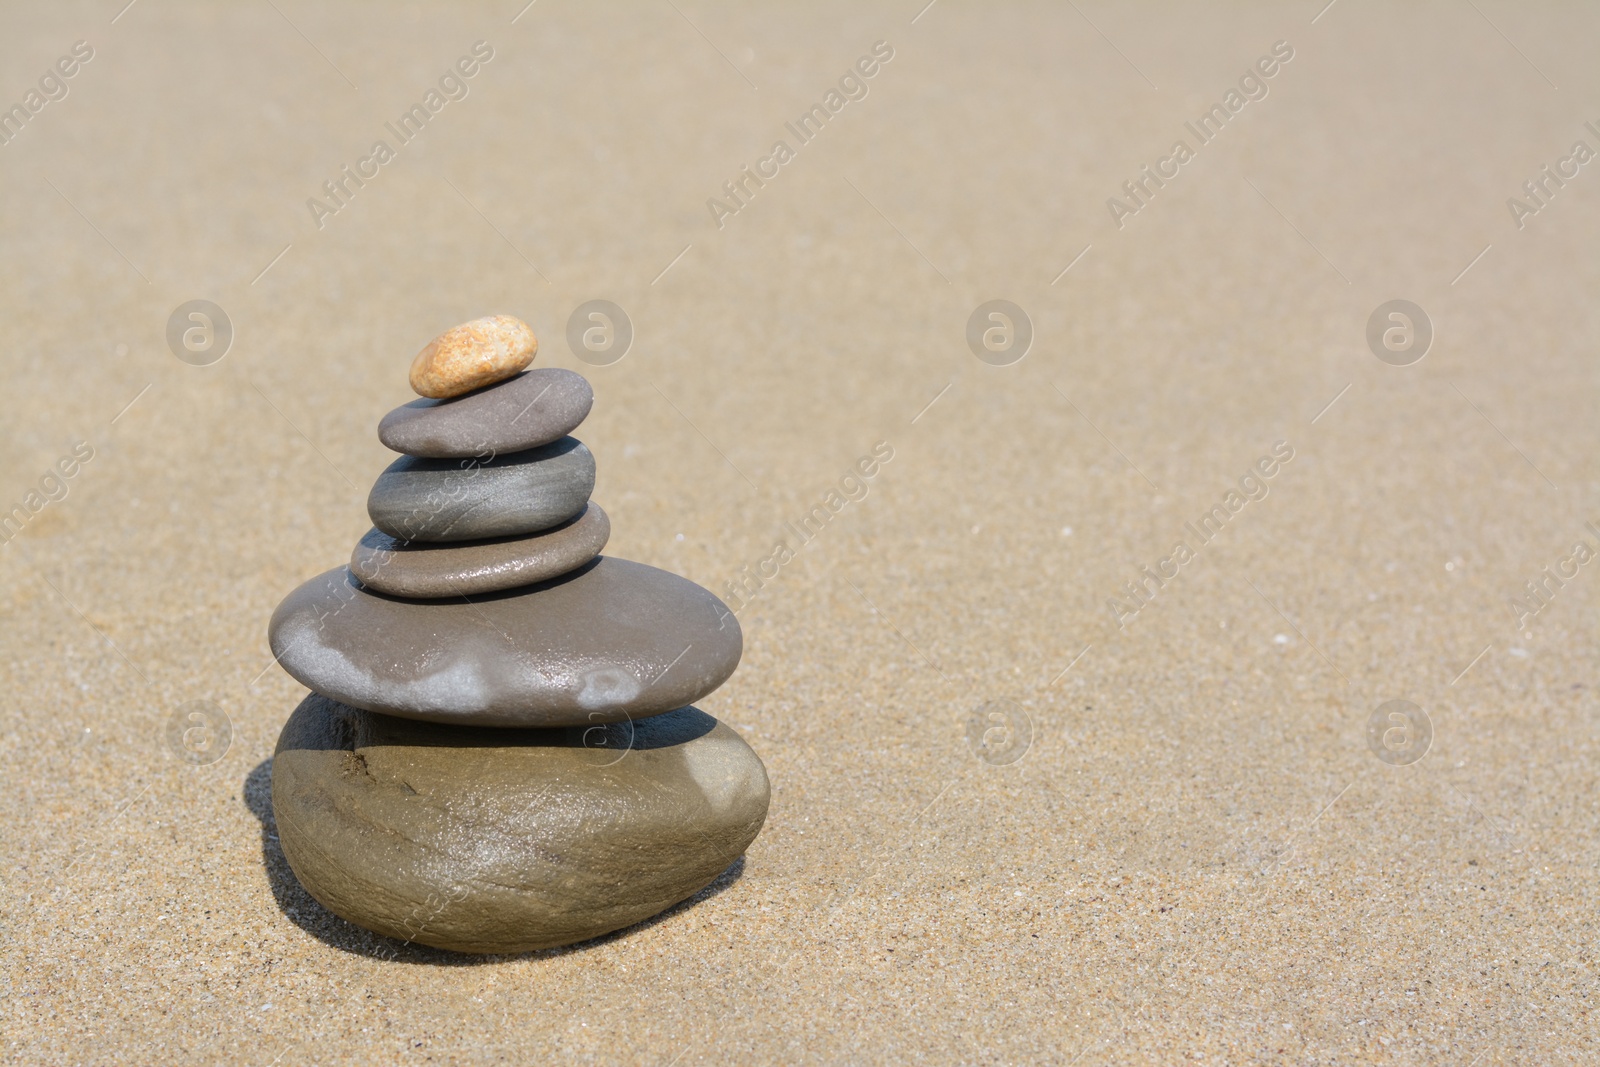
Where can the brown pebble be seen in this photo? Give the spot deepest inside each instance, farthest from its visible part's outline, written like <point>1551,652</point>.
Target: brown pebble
<point>473,355</point>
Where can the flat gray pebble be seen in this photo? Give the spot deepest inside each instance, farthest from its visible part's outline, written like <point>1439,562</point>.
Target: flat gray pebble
<point>532,409</point>
<point>613,640</point>
<point>466,568</point>
<point>465,500</point>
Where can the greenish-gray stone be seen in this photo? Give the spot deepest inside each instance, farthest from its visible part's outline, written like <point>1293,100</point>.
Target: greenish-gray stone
<point>493,840</point>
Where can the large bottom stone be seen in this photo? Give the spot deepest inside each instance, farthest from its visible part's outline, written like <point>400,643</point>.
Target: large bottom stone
<point>479,839</point>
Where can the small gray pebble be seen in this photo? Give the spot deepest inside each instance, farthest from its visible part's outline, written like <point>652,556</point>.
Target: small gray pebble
<point>532,409</point>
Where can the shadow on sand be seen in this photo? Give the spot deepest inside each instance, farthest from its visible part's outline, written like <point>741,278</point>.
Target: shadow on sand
<point>303,910</point>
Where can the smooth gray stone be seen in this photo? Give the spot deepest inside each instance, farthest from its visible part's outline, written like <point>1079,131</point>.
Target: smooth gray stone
<point>610,641</point>
<point>467,568</point>
<point>509,840</point>
<point>465,499</point>
<point>534,408</point>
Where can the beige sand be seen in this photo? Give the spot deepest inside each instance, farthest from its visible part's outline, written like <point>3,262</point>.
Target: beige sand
<point>1198,858</point>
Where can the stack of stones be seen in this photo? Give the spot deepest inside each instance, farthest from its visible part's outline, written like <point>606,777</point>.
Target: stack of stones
<point>499,753</point>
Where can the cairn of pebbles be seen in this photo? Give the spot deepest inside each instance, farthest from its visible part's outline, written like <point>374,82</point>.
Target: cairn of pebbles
<point>499,752</point>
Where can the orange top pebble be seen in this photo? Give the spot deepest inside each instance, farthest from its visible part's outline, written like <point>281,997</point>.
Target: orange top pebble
<point>473,355</point>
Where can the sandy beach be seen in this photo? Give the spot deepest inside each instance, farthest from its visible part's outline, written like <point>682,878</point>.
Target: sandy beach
<point>1079,710</point>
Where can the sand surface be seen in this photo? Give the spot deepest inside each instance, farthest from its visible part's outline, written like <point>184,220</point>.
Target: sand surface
<point>1196,858</point>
